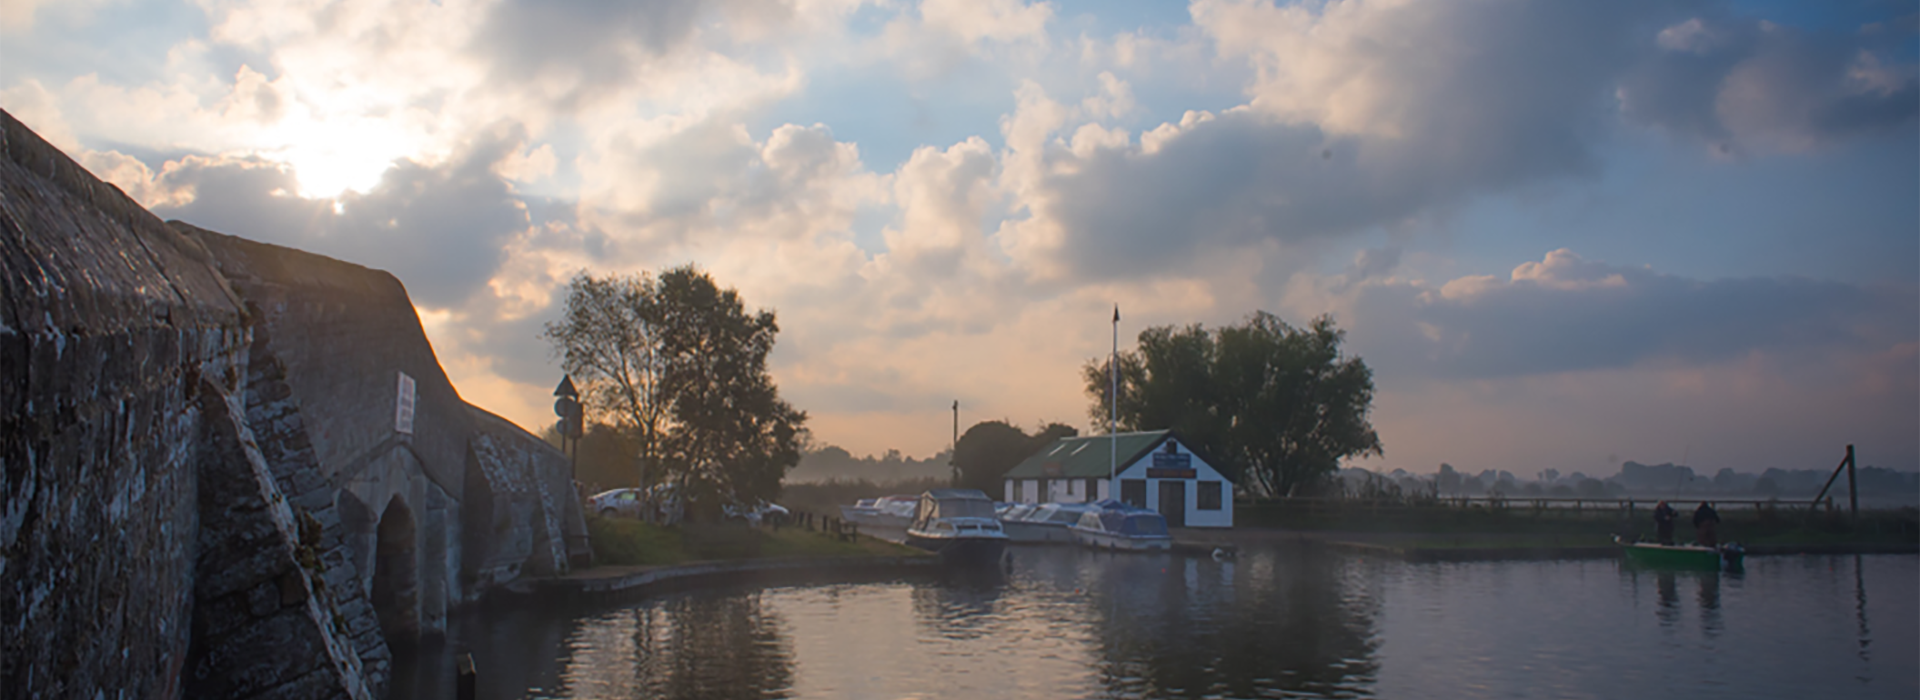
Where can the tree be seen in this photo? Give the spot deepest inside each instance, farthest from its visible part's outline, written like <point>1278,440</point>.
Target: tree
<point>731,433</point>
<point>988,449</point>
<point>682,364</point>
<point>609,340</point>
<point>607,456</point>
<point>1277,405</point>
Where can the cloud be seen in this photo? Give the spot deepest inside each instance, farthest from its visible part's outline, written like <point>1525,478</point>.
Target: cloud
<point>580,51</point>
<point>1565,313</point>
<point>442,228</point>
<point>1756,85</point>
<point>1367,115</point>
<point>1359,115</point>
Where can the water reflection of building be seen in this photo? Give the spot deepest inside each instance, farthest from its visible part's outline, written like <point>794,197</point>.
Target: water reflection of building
<point>1175,626</point>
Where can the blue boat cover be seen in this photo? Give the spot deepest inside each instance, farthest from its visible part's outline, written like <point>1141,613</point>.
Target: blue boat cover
<point>1123,519</point>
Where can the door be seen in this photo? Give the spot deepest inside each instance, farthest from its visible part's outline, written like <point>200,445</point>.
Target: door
<point>1173,502</point>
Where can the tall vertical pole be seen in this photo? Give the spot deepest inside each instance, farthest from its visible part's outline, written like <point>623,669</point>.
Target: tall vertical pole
<point>1113,410</point>
<point>1853,491</point>
<point>953,449</point>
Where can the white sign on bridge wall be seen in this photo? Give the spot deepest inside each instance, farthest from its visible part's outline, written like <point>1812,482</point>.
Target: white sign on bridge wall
<point>403,406</point>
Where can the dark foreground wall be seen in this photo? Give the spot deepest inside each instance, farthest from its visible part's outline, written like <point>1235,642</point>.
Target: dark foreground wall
<point>207,490</point>
<point>121,353</point>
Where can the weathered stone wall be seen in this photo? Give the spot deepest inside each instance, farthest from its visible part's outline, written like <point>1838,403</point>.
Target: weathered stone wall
<point>109,321</point>
<point>531,500</point>
<point>343,333</point>
<point>280,431</point>
<point>205,492</point>
<point>265,622</point>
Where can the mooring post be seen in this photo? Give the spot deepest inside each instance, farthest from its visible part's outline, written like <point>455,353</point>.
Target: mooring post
<point>1853,491</point>
<point>465,679</point>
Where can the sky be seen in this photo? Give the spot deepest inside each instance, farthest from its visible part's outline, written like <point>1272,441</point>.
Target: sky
<point>1563,235</point>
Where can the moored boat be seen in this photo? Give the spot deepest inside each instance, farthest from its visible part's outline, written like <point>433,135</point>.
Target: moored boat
<point>1116,526</point>
<point>888,512</point>
<point>959,525</point>
<point>1683,556</point>
<point>1043,522</point>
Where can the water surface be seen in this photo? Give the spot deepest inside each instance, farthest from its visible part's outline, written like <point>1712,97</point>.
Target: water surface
<point>1278,622</point>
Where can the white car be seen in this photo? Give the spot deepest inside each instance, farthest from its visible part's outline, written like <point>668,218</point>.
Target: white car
<point>625,502</point>
<point>758,514</point>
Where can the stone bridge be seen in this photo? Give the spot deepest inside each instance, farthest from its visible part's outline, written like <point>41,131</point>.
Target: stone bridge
<point>232,469</point>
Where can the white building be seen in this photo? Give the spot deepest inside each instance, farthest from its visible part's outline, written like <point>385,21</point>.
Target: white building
<point>1156,470</point>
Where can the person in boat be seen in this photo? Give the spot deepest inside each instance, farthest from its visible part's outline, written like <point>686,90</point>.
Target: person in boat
<point>1706,524</point>
<point>1663,517</point>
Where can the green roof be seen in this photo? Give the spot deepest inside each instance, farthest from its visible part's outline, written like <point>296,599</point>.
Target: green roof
<point>1086,457</point>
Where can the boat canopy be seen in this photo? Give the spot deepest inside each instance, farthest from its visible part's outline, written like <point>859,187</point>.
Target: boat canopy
<point>955,503</point>
<point>1122,519</point>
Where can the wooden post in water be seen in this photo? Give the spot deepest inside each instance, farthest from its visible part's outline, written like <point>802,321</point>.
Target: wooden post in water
<point>466,683</point>
<point>1853,491</point>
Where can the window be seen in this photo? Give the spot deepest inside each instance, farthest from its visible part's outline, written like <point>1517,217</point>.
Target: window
<point>1209,495</point>
<point>1133,492</point>
<point>1093,490</point>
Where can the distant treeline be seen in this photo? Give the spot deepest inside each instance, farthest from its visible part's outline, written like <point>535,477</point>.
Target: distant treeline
<point>1636,479</point>
<point>832,462</point>
<point>608,460</point>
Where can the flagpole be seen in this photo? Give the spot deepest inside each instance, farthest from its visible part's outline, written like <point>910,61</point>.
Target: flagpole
<point>1113,411</point>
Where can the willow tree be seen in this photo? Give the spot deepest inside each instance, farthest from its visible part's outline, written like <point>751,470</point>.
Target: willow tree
<point>1279,406</point>
<point>682,365</point>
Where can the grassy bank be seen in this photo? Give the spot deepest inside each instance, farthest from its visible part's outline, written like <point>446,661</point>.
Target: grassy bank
<point>628,542</point>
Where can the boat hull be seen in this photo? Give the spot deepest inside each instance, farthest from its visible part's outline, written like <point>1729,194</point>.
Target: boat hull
<point>1657,556</point>
<point>1025,531</point>
<point>968,552</point>
<point>1121,543</point>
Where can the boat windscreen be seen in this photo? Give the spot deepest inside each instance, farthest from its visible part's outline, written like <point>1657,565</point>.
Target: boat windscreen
<point>965,508</point>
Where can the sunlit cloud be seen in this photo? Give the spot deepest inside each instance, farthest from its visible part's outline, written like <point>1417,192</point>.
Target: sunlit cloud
<point>1379,161</point>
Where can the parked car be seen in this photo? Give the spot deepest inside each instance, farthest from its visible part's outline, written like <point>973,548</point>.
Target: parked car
<point>759,513</point>
<point>626,503</point>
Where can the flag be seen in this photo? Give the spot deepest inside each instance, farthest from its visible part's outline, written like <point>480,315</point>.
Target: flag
<point>1116,313</point>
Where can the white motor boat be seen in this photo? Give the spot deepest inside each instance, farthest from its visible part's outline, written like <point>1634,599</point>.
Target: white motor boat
<point>1116,526</point>
<point>960,526</point>
<point>886,513</point>
<point>1043,522</point>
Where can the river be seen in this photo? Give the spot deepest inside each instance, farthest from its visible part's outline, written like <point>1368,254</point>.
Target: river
<point>1280,621</point>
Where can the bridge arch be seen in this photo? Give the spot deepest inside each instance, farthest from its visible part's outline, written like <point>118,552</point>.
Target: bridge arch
<point>395,590</point>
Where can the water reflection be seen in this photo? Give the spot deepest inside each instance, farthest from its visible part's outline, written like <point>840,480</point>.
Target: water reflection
<point>522,653</point>
<point>705,647</point>
<point>1304,629</point>
<point>1280,621</point>
<point>1860,607</point>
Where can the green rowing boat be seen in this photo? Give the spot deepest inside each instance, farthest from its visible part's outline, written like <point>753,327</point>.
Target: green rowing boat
<point>1684,556</point>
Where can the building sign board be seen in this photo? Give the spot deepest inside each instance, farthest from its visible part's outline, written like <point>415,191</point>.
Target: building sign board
<point>403,406</point>
<point>1171,465</point>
